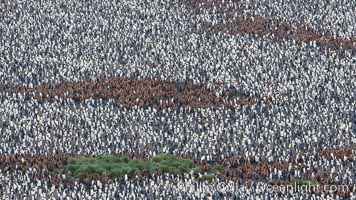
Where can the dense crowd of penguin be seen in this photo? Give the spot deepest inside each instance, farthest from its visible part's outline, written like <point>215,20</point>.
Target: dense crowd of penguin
<point>142,77</point>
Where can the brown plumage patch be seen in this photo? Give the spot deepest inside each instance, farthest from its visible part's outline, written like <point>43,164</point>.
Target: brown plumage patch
<point>151,92</point>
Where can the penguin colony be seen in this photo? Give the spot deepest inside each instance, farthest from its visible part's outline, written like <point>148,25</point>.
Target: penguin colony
<point>265,89</point>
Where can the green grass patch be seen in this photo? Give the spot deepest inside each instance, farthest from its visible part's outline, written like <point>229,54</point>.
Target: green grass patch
<point>115,167</point>
<point>302,184</point>
<point>217,168</point>
<point>58,171</point>
<point>198,170</point>
<point>208,177</point>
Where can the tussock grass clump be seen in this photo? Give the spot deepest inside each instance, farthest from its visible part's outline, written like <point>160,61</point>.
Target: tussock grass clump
<point>300,184</point>
<point>198,170</point>
<point>115,167</point>
<point>217,168</point>
<point>208,177</point>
